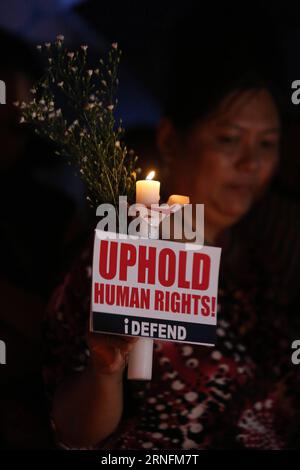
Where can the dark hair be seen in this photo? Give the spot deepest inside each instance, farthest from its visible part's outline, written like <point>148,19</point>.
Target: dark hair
<point>211,57</point>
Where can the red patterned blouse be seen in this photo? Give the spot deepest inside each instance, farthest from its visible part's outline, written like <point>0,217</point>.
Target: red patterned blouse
<point>242,393</point>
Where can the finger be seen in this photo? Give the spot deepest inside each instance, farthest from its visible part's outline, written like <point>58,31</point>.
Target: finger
<point>117,341</point>
<point>115,364</point>
<point>131,339</point>
<point>104,357</point>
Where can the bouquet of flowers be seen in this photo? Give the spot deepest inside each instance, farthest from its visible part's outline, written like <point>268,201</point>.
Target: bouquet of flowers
<point>85,131</point>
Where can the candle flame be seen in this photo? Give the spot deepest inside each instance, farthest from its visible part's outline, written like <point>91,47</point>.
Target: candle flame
<point>150,175</point>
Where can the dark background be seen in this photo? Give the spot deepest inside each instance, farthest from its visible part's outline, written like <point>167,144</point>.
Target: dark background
<point>43,194</point>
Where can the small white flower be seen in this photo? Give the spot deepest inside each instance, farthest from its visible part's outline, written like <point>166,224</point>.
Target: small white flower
<point>60,37</point>
<point>89,106</point>
<point>22,120</point>
<point>48,45</point>
<point>50,60</point>
<point>42,101</point>
<point>114,45</point>
<point>70,54</point>
<point>41,118</point>
<point>33,115</point>
<point>104,82</point>
<point>51,115</point>
<point>60,84</point>
<point>84,47</point>
<point>75,123</point>
<point>58,112</point>
<point>81,171</point>
<point>51,103</point>
<point>89,72</point>
<point>74,69</point>
<point>33,91</point>
<point>39,47</point>
<point>16,103</point>
<point>96,71</point>
<point>110,107</point>
<point>23,105</point>
<point>92,97</point>
<point>117,144</point>
<point>85,159</point>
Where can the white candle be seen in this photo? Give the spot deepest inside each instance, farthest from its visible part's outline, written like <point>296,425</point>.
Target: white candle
<point>140,358</point>
<point>147,191</point>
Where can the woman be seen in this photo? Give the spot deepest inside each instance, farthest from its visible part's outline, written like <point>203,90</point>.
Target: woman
<point>222,149</point>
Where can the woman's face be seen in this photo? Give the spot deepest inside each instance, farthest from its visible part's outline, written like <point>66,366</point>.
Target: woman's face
<point>227,160</point>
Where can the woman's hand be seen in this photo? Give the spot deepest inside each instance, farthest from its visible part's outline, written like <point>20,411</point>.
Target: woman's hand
<point>88,406</point>
<point>108,353</point>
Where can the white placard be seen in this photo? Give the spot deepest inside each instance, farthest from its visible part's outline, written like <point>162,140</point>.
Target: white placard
<point>154,288</point>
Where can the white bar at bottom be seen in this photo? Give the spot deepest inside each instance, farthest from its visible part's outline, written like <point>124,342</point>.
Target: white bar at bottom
<point>141,357</point>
